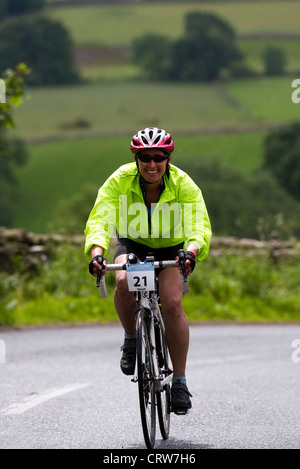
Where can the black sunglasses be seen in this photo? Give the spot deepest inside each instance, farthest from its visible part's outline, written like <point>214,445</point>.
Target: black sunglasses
<point>155,158</point>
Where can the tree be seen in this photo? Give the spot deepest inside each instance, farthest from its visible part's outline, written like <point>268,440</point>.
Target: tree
<point>44,44</point>
<point>274,61</point>
<point>202,54</point>
<point>152,53</point>
<point>14,91</point>
<point>207,48</point>
<point>282,156</point>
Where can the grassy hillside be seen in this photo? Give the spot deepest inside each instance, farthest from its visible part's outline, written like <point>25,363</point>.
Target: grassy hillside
<point>254,48</point>
<point>83,131</point>
<point>57,171</point>
<point>121,108</point>
<point>119,24</point>
<point>102,34</point>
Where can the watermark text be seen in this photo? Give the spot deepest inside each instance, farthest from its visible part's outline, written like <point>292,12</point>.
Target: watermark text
<point>2,351</point>
<point>296,93</point>
<point>2,91</point>
<point>296,352</point>
<point>171,221</point>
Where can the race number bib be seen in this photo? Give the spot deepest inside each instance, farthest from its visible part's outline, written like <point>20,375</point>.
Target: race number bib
<point>140,277</point>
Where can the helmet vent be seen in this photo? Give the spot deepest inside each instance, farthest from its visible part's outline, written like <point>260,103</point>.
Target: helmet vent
<point>151,134</point>
<point>144,140</point>
<point>156,140</point>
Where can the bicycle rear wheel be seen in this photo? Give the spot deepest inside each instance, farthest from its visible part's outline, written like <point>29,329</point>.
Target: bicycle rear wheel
<point>146,382</point>
<point>163,395</point>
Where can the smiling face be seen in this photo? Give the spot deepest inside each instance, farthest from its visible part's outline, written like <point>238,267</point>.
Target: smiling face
<point>152,170</point>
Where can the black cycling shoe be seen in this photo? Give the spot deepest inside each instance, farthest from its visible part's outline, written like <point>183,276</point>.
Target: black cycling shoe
<point>180,398</point>
<point>128,358</point>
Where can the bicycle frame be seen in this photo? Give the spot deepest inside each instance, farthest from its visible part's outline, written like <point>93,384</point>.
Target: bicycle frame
<point>149,301</point>
<point>146,299</point>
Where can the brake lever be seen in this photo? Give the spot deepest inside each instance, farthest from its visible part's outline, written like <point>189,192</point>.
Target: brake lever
<point>98,278</point>
<point>181,255</point>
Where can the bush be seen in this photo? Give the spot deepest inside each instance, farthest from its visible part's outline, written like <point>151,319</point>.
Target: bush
<point>274,60</point>
<point>281,157</point>
<point>255,207</point>
<point>152,53</point>
<point>244,288</point>
<point>12,154</point>
<point>224,287</point>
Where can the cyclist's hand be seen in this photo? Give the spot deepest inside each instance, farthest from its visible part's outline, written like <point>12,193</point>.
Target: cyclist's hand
<point>96,264</point>
<point>189,262</point>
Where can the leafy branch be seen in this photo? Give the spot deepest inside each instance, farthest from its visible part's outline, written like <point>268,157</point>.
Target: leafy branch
<point>15,93</point>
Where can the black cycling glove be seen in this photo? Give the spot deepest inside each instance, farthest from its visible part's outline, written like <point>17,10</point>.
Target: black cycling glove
<point>98,259</point>
<point>189,255</point>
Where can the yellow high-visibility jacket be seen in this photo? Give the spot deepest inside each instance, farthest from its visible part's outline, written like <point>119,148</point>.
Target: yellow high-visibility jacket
<point>180,215</point>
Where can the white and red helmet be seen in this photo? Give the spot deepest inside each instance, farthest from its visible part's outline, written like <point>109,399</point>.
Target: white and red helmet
<point>152,137</point>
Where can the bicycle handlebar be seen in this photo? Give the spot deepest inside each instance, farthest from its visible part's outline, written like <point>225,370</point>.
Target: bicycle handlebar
<point>157,265</point>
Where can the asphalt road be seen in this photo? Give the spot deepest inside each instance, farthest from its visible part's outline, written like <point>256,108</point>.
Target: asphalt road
<point>62,388</point>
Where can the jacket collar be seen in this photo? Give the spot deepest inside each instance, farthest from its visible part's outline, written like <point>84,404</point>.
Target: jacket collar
<point>167,194</point>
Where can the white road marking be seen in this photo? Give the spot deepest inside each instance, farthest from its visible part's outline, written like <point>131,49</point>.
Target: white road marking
<point>38,399</point>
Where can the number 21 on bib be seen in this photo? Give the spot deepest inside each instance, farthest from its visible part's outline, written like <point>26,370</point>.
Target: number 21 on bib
<point>140,277</point>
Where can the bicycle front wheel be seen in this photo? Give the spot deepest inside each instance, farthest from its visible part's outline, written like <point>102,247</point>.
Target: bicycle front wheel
<point>146,382</point>
<point>163,394</point>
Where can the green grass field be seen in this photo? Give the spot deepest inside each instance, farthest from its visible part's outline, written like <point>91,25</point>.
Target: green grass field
<point>253,50</point>
<point>119,24</point>
<point>93,27</point>
<point>57,171</point>
<point>124,107</point>
<point>121,108</point>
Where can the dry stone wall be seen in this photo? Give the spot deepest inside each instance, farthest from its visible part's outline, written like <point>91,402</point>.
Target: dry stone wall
<point>30,249</point>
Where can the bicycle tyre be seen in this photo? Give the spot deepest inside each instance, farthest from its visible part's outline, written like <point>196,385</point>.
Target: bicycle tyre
<point>163,396</point>
<point>146,382</point>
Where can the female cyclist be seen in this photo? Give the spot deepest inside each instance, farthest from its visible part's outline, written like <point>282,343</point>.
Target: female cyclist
<point>157,208</point>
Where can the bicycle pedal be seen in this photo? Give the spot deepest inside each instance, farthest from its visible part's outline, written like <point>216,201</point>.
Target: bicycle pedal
<point>134,379</point>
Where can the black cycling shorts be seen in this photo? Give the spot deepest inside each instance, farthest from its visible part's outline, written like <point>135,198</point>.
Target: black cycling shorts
<point>126,246</point>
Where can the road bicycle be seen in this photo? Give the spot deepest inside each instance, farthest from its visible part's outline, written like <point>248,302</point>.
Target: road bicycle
<point>153,371</point>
